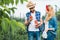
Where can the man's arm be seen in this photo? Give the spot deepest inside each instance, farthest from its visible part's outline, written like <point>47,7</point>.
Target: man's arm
<point>26,22</point>
<point>40,22</point>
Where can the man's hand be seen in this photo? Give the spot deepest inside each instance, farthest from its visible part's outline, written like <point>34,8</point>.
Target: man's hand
<point>26,22</point>
<point>37,25</point>
<point>30,18</point>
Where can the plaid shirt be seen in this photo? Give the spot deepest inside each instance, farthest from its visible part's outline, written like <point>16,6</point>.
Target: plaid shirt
<point>37,15</point>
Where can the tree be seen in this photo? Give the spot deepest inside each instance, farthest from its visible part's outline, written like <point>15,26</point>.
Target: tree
<point>6,22</point>
<point>7,2</point>
<point>4,10</point>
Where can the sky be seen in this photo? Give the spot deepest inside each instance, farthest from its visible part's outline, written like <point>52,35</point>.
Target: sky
<point>40,6</point>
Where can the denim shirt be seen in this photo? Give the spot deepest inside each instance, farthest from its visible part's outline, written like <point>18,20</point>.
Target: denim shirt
<point>53,24</point>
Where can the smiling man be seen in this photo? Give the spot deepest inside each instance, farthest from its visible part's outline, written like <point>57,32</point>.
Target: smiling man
<point>33,21</point>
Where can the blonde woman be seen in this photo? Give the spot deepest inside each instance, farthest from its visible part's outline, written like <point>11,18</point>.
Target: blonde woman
<point>50,24</point>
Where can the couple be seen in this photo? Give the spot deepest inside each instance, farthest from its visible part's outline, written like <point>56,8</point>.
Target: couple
<point>33,21</point>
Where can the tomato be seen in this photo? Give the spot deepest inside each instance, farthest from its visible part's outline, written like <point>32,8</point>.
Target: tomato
<point>31,17</point>
<point>36,22</point>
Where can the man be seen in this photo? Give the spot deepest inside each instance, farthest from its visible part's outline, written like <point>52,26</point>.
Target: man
<point>33,21</point>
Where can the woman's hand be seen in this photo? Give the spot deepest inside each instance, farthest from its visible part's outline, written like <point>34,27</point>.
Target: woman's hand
<point>51,28</point>
<point>44,35</point>
<point>46,30</point>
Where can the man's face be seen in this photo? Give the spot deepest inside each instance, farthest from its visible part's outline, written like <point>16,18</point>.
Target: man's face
<point>32,9</point>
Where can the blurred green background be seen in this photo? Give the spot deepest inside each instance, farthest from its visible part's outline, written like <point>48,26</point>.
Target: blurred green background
<point>14,28</point>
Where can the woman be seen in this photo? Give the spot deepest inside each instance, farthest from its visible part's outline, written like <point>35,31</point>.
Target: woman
<point>50,24</point>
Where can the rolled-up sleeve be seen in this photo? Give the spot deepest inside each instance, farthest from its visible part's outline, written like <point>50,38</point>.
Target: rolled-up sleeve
<point>55,24</point>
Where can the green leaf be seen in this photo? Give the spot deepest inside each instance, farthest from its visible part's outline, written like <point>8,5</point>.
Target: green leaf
<point>16,1</point>
<point>6,2</point>
<point>21,1</point>
<point>12,2</point>
<point>12,9</point>
<point>7,10</point>
<point>5,24</point>
<point>1,2</point>
<point>26,0</point>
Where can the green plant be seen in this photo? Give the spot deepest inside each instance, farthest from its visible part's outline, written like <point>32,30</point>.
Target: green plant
<point>17,29</point>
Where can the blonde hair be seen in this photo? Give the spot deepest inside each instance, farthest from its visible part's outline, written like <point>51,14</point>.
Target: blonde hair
<point>50,13</point>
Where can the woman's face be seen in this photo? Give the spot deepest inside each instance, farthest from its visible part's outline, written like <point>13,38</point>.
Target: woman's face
<point>50,8</point>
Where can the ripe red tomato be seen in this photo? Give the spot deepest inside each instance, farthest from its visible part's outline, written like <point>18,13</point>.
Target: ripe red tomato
<point>36,22</point>
<point>31,17</point>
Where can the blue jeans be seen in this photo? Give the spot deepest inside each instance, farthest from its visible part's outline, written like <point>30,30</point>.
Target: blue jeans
<point>50,36</point>
<point>33,35</point>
